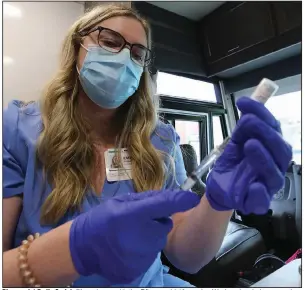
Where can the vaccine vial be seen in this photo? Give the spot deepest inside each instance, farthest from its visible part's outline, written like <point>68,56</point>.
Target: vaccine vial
<point>265,90</point>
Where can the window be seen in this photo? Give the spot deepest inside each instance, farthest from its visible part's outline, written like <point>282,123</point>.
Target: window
<point>189,134</point>
<point>287,109</point>
<point>217,131</point>
<point>181,87</point>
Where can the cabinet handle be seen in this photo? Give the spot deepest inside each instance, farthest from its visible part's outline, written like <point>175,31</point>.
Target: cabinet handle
<point>231,50</point>
<point>236,7</point>
<point>209,48</point>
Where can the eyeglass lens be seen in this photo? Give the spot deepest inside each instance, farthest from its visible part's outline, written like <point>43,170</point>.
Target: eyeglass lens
<point>114,42</point>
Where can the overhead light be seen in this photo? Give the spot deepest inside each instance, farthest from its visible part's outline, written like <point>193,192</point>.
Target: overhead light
<point>10,10</point>
<point>7,60</point>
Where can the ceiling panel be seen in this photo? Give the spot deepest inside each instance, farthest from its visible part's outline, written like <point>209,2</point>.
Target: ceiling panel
<point>191,10</point>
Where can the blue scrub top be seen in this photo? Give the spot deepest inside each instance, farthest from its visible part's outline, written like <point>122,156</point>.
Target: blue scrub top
<point>21,176</point>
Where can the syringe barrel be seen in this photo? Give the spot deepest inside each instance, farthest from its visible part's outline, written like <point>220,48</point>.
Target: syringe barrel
<point>206,163</point>
<point>265,90</point>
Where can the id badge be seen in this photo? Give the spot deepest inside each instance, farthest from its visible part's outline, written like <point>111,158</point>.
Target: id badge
<point>116,169</point>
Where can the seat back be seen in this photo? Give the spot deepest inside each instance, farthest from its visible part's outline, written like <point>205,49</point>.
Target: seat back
<point>297,177</point>
<point>190,163</point>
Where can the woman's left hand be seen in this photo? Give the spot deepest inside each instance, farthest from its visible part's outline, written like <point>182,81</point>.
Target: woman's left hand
<point>252,168</point>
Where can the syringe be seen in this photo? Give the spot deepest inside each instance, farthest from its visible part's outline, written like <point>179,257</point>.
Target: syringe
<point>265,90</point>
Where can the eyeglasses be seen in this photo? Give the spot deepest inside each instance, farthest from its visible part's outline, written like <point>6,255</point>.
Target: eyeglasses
<point>114,42</point>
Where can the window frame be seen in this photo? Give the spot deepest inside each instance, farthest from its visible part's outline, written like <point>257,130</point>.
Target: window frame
<point>235,110</point>
<point>202,122</point>
<point>172,107</point>
<point>211,80</point>
<point>224,128</point>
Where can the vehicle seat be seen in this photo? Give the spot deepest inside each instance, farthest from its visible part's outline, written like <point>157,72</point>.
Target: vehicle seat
<point>190,163</point>
<point>240,248</point>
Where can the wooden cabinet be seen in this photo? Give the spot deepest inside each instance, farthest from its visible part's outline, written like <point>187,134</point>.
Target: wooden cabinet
<point>218,38</point>
<point>238,26</point>
<point>241,32</point>
<point>253,23</point>
<point>288,15</point>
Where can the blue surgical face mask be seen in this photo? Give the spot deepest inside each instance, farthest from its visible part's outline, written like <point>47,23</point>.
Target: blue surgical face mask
<point>109,79</point>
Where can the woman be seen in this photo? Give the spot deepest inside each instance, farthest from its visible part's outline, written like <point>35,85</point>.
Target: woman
<point>106,227</point>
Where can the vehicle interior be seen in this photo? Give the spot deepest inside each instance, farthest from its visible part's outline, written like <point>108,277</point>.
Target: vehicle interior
<point>207,55</point>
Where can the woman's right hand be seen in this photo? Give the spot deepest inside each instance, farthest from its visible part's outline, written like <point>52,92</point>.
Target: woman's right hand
<point>120,238</point>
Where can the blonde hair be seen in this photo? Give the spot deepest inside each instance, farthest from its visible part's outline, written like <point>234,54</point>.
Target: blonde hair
<point>64,148</point>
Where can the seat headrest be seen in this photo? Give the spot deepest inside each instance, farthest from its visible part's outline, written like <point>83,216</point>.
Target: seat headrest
<point>190,163</point>
<point>189,157</point>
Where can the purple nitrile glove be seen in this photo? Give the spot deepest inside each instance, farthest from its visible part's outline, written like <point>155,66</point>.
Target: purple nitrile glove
<point>120,238</point>
<point>253,165</point>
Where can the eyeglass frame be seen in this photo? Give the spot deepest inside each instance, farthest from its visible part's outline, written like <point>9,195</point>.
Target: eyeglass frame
<point>84,33</point>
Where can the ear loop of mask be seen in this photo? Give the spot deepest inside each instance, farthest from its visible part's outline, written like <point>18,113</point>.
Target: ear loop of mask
<point>76,64</point>
<point>84,47</point>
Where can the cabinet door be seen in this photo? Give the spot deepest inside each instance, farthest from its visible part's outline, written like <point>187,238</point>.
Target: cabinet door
<point>241,26</point>
<point>253,23</point>
<point>288,15</point>
<point>219,36</point>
